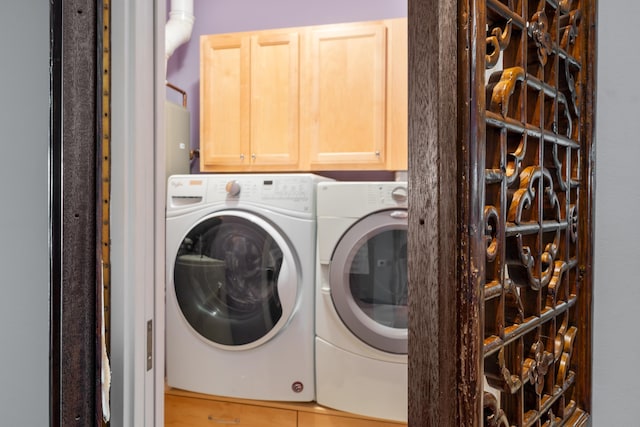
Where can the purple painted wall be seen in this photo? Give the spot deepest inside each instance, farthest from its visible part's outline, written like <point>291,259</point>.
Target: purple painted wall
<point>227,16</point>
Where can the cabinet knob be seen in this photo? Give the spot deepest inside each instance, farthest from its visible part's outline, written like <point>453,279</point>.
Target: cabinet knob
<point>377,153</point>
<point>241,156</point>
<point>253,156</point>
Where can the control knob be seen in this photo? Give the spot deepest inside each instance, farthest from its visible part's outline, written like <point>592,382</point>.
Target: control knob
<point>399,194</point>
<point>233,188</point>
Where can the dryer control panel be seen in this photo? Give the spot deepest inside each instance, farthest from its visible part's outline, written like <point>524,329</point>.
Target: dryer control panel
<point>356,199</point>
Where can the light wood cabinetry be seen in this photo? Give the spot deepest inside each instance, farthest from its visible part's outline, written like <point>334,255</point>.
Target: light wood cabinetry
<point>397,119</point>
<point>188,409</point>
<point>352,78</point>
<point>344,124</point>
<point>249,114</point>
<point>329,97</point>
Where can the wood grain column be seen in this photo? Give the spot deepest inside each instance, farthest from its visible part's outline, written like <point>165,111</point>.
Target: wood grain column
<point>444,213</point>
<point>74,370</point>
<point>432,228</point>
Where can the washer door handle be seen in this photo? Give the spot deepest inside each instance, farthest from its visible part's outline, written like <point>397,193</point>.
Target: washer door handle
<point>287,298</point>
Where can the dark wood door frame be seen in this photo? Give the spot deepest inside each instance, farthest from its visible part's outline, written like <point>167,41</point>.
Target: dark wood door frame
<point>433,212</point>
<point>75,212</point>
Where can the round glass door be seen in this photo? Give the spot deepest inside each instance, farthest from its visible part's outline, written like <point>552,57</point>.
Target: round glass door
<point>234,280</point>
<point>368,280</point>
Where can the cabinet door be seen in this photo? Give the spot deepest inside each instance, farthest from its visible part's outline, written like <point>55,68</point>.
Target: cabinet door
<point>309,419</point>
<point>275,100</point>
<point>224,102</point>
<point>345,82</point>
<point>397,94</point>
<point>192,412</point>
<point>250,103</point>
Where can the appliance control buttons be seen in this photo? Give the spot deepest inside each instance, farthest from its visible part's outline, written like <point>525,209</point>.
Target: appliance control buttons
<point>233,188</point>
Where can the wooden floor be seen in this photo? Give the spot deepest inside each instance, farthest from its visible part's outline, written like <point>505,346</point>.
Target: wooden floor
<point>188,409</point>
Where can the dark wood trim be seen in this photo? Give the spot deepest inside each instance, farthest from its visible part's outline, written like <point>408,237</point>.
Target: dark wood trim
<point>102,200</point>
<point>584,351</point>
<point>470,177</point>
<point>433,212</point>
<point>73,218</point>
<point>55,201</point>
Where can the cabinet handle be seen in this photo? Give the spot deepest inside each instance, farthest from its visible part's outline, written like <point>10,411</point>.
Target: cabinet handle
<point>223,421</point>
<point>377,154</point>
<point>241,156</point>
<point>253,156</point>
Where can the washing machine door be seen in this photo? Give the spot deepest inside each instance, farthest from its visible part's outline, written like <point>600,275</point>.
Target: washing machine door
<point>235,280</point>
<point>368,280</point>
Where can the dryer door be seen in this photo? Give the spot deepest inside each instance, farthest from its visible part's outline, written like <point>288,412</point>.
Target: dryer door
<point>368,280</point>
<point>235,280</point>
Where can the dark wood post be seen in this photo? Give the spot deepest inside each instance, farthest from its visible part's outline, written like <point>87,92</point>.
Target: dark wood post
<point>444,364</point>
<point>74,75</point>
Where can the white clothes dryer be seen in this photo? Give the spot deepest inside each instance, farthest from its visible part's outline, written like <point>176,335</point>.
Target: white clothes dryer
<point>240,285</point>
<point>361,298</point>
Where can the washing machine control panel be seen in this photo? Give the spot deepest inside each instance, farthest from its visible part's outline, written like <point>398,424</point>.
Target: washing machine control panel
<point>285,192</point>
<point>266,190</point>
<point>295,192</point>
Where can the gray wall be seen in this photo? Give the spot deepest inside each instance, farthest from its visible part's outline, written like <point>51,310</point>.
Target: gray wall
<point>617,286</point>
<point>24,251</point>
<point>226,16</point>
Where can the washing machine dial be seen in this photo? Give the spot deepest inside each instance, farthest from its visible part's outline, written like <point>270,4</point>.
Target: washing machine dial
<point>233,188</point>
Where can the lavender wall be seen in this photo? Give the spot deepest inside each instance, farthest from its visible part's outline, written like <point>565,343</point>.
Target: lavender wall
<point>226,16</point>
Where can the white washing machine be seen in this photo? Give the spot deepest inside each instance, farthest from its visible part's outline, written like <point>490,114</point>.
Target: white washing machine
<point>361,298</point>
<point>240,285</point>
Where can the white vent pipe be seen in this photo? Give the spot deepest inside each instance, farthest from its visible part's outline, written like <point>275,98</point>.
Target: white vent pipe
<point>179,26</point>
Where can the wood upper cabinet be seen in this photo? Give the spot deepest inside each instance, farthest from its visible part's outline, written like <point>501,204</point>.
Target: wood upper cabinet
<point>353,79</point>
<point>397,118</point>
<point>249,114</point>
<point>344,124</point>
<point>323,97</point>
